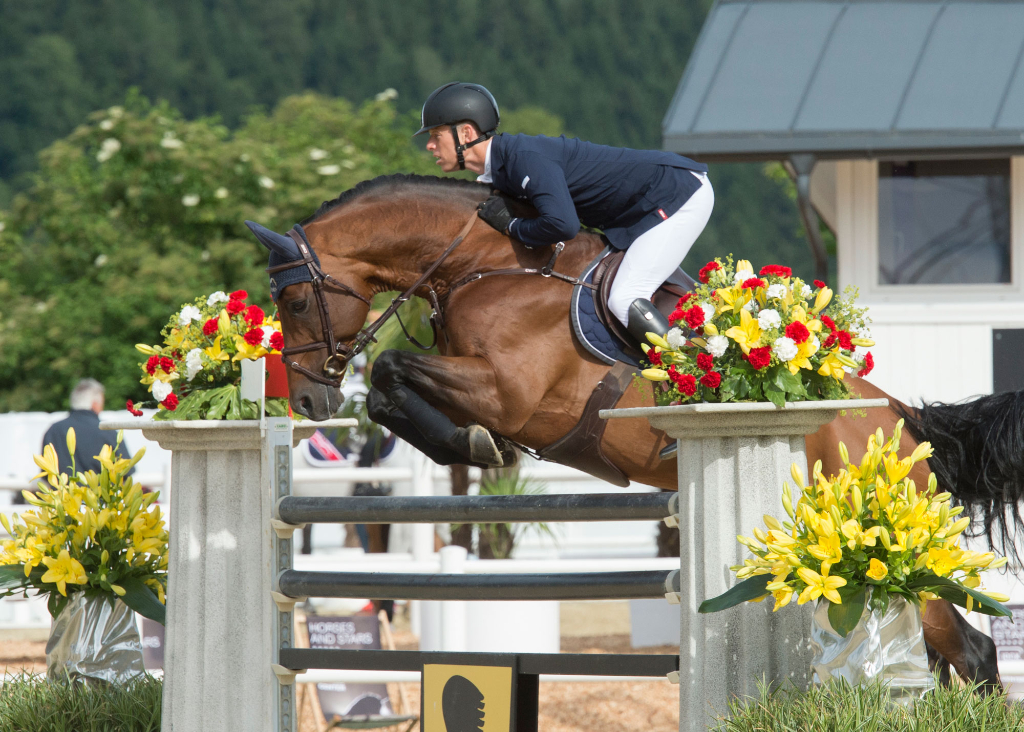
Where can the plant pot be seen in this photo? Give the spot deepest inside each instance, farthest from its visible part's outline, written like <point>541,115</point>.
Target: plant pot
<point>887,646</point>
<point>95,638</point>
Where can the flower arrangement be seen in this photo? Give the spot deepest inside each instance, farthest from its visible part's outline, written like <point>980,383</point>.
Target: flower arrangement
<point>97,534</point>
<point>196,373</point>
<point>765,337</point>
<point>868,527</point>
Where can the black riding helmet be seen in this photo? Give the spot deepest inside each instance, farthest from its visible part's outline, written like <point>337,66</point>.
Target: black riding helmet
<point>457,102</point>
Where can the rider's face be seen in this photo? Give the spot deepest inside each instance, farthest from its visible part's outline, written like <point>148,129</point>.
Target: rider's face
<point>442,147</point>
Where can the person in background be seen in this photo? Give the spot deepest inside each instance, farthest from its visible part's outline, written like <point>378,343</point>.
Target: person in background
<point>86,404</point>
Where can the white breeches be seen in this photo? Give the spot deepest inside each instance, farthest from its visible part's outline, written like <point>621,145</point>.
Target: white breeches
<point>654,255</point>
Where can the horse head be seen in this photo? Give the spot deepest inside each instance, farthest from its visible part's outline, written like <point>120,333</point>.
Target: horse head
<point>318,331</point>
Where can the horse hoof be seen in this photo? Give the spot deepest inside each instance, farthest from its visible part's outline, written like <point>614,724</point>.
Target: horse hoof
<point>482,448</point>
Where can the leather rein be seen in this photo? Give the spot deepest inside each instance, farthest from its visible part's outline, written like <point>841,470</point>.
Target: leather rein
<point>333,371</point>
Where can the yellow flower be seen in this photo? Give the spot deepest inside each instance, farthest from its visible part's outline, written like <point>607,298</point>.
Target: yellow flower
<point>943,561</point>
<point>782,597</point>
<point>832,366</point>
<point>876,570</point>
<point>64,570</point>
<point>823,299</point>
<point>747,334</point>
<point>857,536</point>
<point>804,351</point>
<point>733,298</point>
<point>244,350</point>
<point>214,351</point>
<point>655,374</point>
<point>819,585</point>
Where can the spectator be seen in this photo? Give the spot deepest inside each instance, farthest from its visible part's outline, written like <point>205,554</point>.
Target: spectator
<point>86,404</point>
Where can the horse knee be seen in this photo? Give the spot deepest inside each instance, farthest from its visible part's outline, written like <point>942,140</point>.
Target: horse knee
<point>378,406</point>
<point>386,370</point>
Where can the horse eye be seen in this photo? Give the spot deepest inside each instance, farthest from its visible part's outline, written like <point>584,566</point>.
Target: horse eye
<point>299,307</point>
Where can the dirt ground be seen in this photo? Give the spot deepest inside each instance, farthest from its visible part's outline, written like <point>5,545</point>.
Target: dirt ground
<point>600,627</point>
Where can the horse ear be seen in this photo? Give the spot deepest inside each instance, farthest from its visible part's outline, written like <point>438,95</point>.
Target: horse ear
<point>277,243</point>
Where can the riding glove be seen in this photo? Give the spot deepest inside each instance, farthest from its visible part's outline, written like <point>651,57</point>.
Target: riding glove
<point>496,213</point>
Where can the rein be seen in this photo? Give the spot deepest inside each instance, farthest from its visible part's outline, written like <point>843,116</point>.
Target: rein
<point>340,354</point>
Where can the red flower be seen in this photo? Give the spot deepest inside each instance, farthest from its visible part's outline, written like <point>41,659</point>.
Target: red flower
<point>754,282</point>
<point>276,341</point>
<point>254,315</point>
<point>705,271</point>
<point>238,295</point>
<point>759,358</point>
<point>210,327</point>
<point>152,365</point>
<point>254,337</point>
<point>829,323</point>
<point>684,299</point>
<point>711,380</point>
<point>797,331</point>
<point>869,364</point>
<point>677,314</point>
<point>844,340</point>
<point>654,357</point>
<point>705,362</point>
<point>686,383</point>
<point>694,317</point>
<point>819,284</point>
<point>131,408</point>
<point>830,341</point>
<point>167,364</point>
<point>776,269</point>
<point>170,403</point>
<point>235,307</point>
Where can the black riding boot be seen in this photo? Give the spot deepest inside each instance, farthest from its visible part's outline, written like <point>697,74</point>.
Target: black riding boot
<point>644,318</point>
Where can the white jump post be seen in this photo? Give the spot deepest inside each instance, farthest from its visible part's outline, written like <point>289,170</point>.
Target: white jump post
<point>732,460</point>
<point>223,627</point>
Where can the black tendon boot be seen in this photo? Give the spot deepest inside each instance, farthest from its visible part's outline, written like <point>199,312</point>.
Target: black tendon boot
<point>644,318</point>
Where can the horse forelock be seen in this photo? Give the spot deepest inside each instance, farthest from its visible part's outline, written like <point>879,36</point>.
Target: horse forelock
<point>402,184</point>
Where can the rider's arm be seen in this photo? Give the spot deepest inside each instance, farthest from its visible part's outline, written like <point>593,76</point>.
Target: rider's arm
<point>543,184</point>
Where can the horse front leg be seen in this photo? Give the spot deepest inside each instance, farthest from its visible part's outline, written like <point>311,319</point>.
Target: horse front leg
<point>426,392</point>
<point>971,652</point>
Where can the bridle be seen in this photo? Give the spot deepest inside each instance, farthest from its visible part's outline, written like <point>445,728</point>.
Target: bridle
<point>340,354</point>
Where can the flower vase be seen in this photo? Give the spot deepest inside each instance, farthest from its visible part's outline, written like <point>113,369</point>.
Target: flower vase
<point>94,638</point>
<point>885,645</point>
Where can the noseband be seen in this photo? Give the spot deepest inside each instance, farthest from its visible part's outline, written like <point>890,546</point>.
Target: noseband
<point>339,354</point>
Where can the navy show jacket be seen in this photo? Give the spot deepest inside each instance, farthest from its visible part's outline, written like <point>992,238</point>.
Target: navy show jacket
<point>621,191</point>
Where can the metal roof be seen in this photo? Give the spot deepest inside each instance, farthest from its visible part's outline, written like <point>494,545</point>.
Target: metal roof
<point>861,78</point>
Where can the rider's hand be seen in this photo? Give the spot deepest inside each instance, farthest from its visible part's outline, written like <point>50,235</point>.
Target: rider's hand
<point>496,213</point>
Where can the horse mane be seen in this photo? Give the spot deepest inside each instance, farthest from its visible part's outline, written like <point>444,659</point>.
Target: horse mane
<point>396,179</point>
<point>979,458</point>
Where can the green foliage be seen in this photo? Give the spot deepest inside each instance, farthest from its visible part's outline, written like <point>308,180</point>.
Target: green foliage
<point>496,541</point>
<point>30,703</point>
<point>840,707</point>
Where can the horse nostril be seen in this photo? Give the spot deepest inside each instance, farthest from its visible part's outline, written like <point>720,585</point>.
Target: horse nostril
<point>306,405</point>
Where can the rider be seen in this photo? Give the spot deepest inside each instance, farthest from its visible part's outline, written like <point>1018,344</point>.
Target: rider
<point>652,203</point>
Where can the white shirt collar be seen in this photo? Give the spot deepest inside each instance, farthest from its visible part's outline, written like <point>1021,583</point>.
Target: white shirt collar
<point>486,177</point>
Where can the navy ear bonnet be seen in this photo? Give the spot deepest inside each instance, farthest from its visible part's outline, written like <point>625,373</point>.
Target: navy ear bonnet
<point>283,250</point>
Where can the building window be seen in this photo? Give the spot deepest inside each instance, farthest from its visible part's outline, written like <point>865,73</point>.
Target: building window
<point>944,222</point>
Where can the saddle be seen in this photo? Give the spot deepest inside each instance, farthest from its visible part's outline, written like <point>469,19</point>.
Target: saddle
<point>580,448</point>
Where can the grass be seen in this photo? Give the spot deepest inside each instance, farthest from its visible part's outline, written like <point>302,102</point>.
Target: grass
<point>838,707</point>
<point>30,703</point>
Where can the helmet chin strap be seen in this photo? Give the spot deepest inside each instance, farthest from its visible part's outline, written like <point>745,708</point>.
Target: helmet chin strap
<point>460,147</point>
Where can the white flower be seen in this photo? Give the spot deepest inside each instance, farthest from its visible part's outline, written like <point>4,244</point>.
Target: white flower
<point>858,356</point>
<point>188,314</point>
<point>717,345</point>
<point>205,255</point>
<point>107,124</point>
<point>348,149</point>
<point>348,164</point>
<point>785,348</point>
<point>221,192</point>
<point>244,157</point>
<point>193,363</point>
<point>317,154</point>
<point>116,112</point>
<point>815,342</point>
<point>329,169</point>
<point>267,332</point>
<point>266,182</point>
<point>806,292</point>
<point>387,95</point>
<point>170,141</point>
<point>100,260</point>
<point>749,306</point>
<point>107,149</point>
<point>778,290</point>
<point>769,318</point>
<point>192,199</point>
<point>709,311</point>
<point>161,390</point>
<point>218,296</point>
<point>675,337</point>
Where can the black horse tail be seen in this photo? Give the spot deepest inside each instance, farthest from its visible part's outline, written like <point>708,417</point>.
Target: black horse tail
<point>979,458</point>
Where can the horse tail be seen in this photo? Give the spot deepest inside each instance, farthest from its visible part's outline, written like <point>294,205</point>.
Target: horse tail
<point>979,458</point>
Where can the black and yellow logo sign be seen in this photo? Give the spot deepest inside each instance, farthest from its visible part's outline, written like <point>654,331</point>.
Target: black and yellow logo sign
<point>467,698</point>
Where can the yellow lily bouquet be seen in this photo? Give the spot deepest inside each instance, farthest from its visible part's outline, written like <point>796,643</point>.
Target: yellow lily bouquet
<point>196,373</point>
<point>97,534</point>
<point>764,337</point>
<point>867,528</point>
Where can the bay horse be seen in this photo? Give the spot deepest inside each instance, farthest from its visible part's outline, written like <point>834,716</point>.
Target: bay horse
<point>509,365</point>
